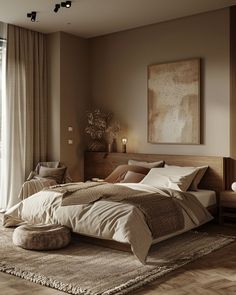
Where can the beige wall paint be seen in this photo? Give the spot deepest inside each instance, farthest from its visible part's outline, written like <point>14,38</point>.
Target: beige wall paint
<point>74,101</point>
<point>68,99</point>
<point>118,64</point>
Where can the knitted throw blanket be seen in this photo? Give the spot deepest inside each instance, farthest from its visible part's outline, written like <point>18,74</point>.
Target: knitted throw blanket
<point>163,214</point>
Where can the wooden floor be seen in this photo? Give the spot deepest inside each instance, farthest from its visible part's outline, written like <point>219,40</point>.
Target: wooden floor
<point>212,274</point>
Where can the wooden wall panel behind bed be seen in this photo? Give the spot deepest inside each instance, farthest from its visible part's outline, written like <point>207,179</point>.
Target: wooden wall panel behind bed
<point>218,176</point>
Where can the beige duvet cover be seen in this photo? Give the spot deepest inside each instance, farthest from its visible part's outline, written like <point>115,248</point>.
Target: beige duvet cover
<point>103,219</point>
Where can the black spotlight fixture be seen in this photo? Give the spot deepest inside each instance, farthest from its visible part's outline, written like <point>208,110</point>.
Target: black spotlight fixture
<point>66,4</point>
<point>57,7</point>
<point>32,16</point>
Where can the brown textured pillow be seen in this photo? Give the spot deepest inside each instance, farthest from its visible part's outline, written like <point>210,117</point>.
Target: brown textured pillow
<point>133,177</point>
<point>201,171</point>
<point>119,173</point>
<point>53,173</point>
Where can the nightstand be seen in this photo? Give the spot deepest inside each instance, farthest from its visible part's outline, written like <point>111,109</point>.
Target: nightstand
<point>227,207</point>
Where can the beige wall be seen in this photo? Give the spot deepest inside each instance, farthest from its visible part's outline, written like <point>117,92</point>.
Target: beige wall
<point>68,99</point>
<point>53,61</point>
<point>111,72</point>
<point>118,64</point>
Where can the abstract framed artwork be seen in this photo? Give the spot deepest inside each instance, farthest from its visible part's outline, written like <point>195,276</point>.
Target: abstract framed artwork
<point>174,102</point>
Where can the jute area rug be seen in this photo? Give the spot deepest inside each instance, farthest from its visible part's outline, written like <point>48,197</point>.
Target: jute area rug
<point>88,269</point>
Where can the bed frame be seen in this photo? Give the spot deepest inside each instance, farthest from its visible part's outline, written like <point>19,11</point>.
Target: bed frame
<point>218,176</point>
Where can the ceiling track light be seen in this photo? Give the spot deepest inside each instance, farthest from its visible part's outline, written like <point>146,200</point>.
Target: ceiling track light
<point>57,7</point>
<point>66,4</point>
<point>32,16</point>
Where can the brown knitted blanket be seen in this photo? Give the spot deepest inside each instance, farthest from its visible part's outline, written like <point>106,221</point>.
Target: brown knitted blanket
<point>163,213</point>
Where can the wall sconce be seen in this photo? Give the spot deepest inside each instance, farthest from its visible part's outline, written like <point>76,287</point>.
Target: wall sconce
<point>32,16</point>
<point>124,142</point>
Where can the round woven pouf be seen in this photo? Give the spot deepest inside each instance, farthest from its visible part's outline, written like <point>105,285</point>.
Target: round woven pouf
<point>41,237</point>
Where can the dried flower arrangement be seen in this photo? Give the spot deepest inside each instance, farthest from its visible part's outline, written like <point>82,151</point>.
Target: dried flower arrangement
<point>99,127</point>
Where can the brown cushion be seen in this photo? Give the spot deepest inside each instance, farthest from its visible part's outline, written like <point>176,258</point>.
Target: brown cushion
<point>119,173</point>
<point>197,179</point>
<point>53,173</point>
<point>133,177</point>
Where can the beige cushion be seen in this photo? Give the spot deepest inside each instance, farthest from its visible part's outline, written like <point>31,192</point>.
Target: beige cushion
<point>146,164</point>
<point>119,173</point>
<point>198,177</point>
<point>53,173</point>
<point>41,237</point>
<point>133,177</point>
<point>178,178</point>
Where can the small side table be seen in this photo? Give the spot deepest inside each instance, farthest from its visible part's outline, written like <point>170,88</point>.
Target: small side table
<point>227,207</point>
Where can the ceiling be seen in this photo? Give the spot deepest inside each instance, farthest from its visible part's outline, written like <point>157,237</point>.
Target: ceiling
<point>90,18</point>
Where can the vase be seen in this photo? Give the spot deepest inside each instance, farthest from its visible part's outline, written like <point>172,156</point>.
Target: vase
<point>110,147</point>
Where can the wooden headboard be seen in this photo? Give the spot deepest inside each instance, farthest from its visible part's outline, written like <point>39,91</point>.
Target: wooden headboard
<point>218,176</point>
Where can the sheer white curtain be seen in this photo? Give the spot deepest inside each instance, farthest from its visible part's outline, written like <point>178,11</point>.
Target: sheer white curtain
<point>24,124</point>
<point>3,36</point>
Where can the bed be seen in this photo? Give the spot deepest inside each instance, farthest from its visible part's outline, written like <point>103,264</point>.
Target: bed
<point>121,223</point>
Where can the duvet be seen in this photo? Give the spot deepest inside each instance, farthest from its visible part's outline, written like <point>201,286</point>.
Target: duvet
<point>120,212</point>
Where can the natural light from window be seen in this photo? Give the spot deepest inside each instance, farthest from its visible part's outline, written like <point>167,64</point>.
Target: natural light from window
<point>2,87</point>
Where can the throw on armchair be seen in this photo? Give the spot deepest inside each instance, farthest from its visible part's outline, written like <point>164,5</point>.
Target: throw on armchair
<point>44,175</point>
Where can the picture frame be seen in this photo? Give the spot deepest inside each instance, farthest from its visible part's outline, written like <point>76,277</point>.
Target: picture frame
<point>174,102</point>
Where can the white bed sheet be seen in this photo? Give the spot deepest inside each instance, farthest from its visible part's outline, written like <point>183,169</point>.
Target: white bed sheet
<point>205,197</point>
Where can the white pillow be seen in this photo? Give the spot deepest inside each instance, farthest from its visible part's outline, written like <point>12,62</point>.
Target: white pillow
<point>178,178</point>
<point>146,164</point>
<point>197,178</point>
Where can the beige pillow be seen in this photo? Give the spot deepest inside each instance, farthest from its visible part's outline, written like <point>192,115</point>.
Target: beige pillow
<point>133,177</point>
<point>178,178</point>
<point>198,177</point>
<point>53,173</point>
<point>146,164</point>
<point>118,174</point>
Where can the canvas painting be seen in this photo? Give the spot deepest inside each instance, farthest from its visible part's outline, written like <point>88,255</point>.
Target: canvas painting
<point>174,102</point>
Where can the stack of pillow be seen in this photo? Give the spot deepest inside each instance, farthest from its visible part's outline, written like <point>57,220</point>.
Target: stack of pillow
<point>134,172</point>
<point>158,174</point>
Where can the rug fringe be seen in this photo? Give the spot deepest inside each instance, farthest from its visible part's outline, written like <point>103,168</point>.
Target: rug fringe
<point>141,281</point>
<point>43,280</point>
<point>122,289</point>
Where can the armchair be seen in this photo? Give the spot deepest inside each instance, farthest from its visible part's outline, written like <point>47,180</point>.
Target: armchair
<point>45,174</point>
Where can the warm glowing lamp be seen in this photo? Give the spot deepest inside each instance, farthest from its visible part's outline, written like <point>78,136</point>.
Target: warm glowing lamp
<point>124,142</point>
<point>233,186</point>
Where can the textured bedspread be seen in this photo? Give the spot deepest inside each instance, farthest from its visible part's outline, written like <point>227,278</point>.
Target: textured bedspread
<point>162,212</point>
<point>113,212</point>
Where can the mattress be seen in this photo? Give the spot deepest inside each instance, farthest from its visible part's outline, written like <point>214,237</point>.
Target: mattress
<point>206,197</point>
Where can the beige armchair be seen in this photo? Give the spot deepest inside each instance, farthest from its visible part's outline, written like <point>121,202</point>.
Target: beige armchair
<point>45,174</point>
